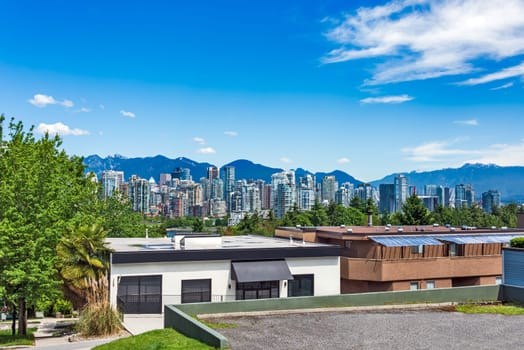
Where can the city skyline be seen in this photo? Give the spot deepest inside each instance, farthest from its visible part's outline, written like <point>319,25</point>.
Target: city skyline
<point>367,87</point>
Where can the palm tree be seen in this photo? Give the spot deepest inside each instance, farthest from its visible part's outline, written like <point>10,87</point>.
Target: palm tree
<point>83,261</point>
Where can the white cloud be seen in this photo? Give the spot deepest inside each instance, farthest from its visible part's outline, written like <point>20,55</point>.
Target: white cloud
<point>127,114</point>
<point>230,133</point>
<point>436,152</point>
<point>423,39</point>
<point>505,86</point>
<point>206,150</point>
<point>503,74</point>
<point>387,99</point>
<point>67,103</point>
<point>471,122</point>
<point>199,140</point>
<point>101,106</point>
<point>60,129</point>
<point>286,160</point>
<point>504,155</point>
<point>343,160</point>
<point>83,110</point>
<point>41,100</point>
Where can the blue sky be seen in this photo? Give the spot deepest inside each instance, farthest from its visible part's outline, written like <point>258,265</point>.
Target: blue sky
<point>367,87</point>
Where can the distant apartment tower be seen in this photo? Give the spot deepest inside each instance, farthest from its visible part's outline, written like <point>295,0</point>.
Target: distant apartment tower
<point>111,182</point>
<point>401,192</point>
<point>251,198</point>
<point>344,194</point>
<point>444,195</point>
<point>365,192</point>
<point>139,194</point>
<point>227,173</point>
<point>207,186</point>
<point>181,174</point>
<point>490,200</point>
<point>329,187</point>
<point>283,192</point>
<point>387,198</point>
<point>306,192</point>
<point>464,195</point>
<point>164,179</point>
<point>267,197</point>
<point>217,189</point>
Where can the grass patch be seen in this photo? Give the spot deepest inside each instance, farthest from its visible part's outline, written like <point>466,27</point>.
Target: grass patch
<point>508,309</point>
<point>6,339</point>
<point>160,339</point>
<point>217,325</point>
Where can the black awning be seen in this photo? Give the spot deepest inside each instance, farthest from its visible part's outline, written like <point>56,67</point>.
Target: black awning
<point>258,271</point>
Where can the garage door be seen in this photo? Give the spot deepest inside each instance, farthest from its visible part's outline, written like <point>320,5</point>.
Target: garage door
<point>140,294</point>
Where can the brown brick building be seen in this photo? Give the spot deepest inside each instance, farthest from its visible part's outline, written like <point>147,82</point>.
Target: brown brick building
<point>389,258</point>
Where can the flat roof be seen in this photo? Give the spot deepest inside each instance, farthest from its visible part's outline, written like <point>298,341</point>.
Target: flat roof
<point>227,242</point>
<point>238,248</point>
<point>394,229</point>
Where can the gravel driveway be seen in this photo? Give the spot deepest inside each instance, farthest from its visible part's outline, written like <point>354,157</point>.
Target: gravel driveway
<point>377,330</point>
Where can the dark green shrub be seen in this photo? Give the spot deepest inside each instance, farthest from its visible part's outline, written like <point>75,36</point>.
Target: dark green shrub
<point>65,307</point>
<point>517,242</point>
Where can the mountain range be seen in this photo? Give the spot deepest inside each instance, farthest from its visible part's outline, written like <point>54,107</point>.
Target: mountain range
<point>508,180</point>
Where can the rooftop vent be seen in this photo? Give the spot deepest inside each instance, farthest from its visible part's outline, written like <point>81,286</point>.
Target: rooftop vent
<point>386,228</point>
<point>436,225</point>
<point>349,230</point>
<point>400,229</point>
<point>342,226</point>
<point>452,229</point>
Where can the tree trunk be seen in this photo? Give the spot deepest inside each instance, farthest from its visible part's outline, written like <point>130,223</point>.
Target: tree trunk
<point>13,322</point>
<point>22,317</point>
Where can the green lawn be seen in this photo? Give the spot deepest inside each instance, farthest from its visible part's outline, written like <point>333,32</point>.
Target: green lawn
<point>6,339</point>
<point>160,339</point>
<point>508,309</point>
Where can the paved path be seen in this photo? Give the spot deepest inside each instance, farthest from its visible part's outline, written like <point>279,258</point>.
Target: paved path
<point>137,324</point>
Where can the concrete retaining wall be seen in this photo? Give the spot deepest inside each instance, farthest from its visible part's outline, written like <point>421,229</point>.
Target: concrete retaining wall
<point>187,325</point>
<point>460,294</point>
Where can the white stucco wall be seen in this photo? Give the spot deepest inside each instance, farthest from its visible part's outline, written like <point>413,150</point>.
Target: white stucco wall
<point>219,271</point>
<point>326,271</point>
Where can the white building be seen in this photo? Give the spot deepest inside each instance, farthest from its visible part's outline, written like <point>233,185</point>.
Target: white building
<point>146,274</point>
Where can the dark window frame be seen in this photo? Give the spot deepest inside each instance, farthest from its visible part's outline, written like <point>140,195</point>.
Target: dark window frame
<point>301,280</point>
<point>196,290</point>
<point>257,290</point>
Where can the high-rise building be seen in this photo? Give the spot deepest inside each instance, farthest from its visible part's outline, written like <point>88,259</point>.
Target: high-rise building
<point>165,179</point>
<point>139,194</point>
<point>329,187</point>
<point>387,198</point>
<point>464,195</point>
<point>401,192</point>
<point>490,200</point>
<point>181,174</point>
<point>283,192</point>
<point>111,182</point>
<point>217,189</point>
<point>306,192</point>
<point>444,195</point>
<point>227,174</point>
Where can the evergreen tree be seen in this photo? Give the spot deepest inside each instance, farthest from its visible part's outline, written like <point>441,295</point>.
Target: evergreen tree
<point>414,212</point>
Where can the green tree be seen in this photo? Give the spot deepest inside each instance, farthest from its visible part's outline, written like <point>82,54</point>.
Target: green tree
<point>414,212</point>
<point>318,215</point>
<point>118,219</point>
<point>83,259</point>
<point>39,188</point>
<point>198,225</point>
